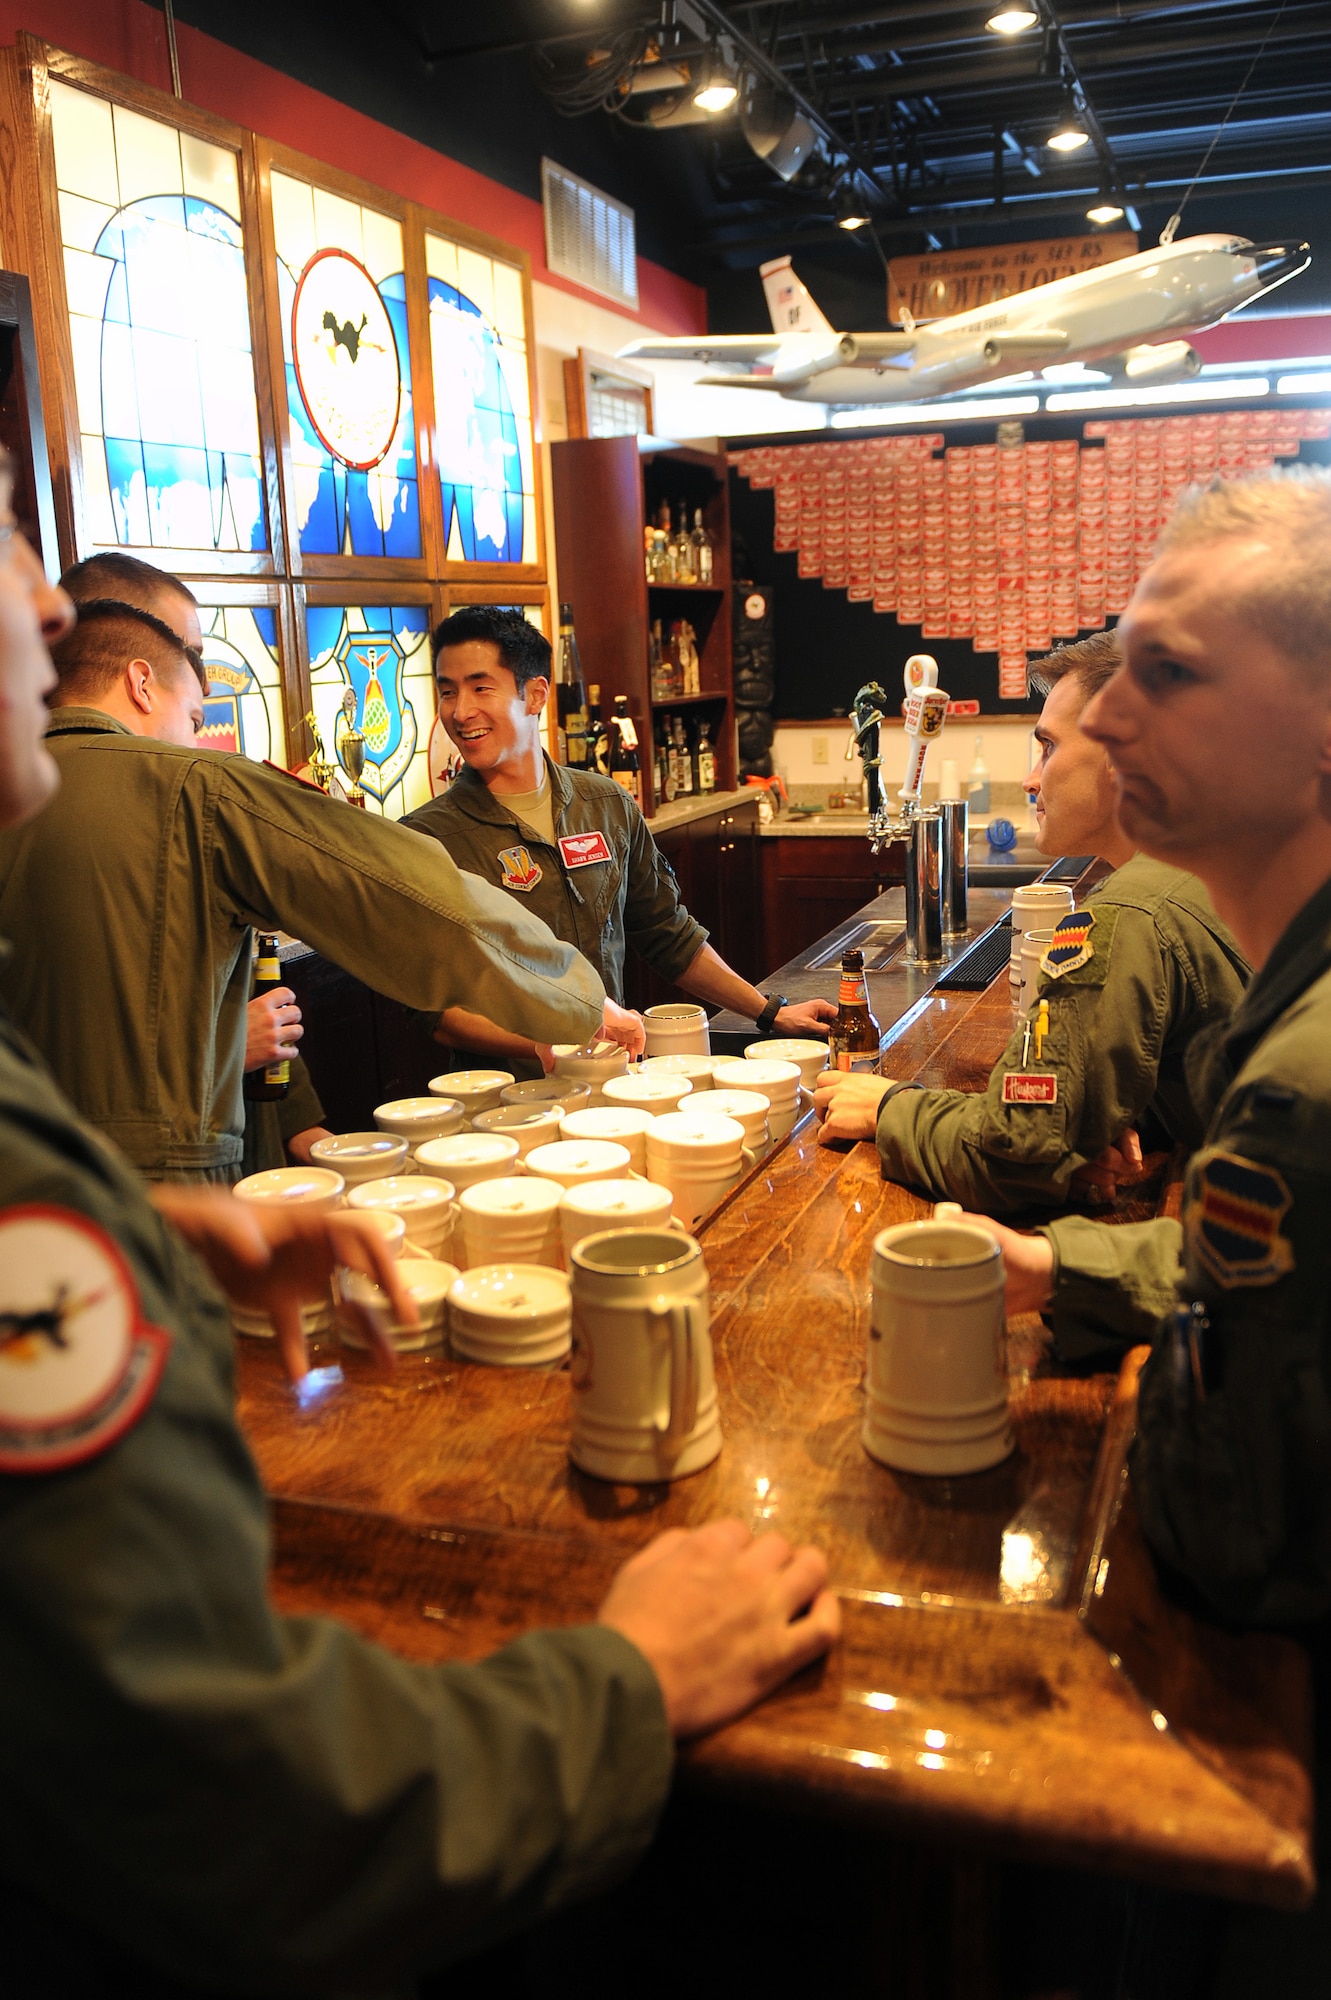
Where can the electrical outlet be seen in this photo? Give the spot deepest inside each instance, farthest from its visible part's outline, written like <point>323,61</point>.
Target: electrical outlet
<point>820,749</point>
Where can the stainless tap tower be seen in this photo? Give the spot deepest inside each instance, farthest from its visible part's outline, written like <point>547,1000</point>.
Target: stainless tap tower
<point>918,825</point>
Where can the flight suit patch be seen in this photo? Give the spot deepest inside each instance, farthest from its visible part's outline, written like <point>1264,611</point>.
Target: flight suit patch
<point>520,871</point>
<point>78,1363</point>
<point>1030,1087</point>
<point>1079,950</point>
<point>1232,1220</point>
<point>580,850</point>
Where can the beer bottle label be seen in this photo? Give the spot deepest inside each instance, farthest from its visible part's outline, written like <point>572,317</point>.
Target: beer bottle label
<point>278,1072</point>
<point>854,992</point>
<point>269,970</point>
<point>861,1063</point>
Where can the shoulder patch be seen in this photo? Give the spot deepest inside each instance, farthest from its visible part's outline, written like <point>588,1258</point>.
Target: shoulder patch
<point>78,1363</point>
<point>519,869</point>
<point>1232,1220</point>
<point>1080,948</point>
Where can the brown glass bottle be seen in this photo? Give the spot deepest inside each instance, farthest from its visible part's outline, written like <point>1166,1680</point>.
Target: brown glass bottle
<point>855,1040</point>
<point>270,1084</point>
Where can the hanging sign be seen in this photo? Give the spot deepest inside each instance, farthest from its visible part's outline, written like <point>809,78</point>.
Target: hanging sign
<point>952,281</point>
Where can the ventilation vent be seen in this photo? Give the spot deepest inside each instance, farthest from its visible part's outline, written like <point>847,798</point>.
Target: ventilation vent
<point>588,236</point>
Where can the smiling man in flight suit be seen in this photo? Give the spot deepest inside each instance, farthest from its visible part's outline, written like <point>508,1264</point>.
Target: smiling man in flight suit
<point>132,900</point>
<point>571,845</point>
<point>196,1795</point>
<point>1130,981</point>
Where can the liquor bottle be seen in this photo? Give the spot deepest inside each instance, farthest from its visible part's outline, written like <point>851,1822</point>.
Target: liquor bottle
<point>624,764</point>
<point>270,1084</point>
<point>702,549</point>
<point>570,695</point>
<point>663,770</point>
<point>682,549</point>
<point>855,1040</point>
<point>658,664</point>
<point>706,759</point>
<point>596,735</point>
<point>649,550</point>
<point>683,762</point>
<point>662,571</point>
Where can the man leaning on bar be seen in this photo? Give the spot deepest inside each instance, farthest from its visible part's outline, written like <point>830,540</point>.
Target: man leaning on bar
<point>1157,970</point>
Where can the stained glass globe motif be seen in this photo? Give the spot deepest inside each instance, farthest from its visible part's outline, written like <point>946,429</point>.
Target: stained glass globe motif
<point>480,460</point>
<point>179,422</point>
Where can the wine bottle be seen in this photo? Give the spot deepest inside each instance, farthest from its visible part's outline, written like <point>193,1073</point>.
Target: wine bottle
<point>702,549</point>
<point>855,1040</point>
<point>570,695</point>
<point>624,765</point>
<point>271,1083</point>
<point>706,759</point>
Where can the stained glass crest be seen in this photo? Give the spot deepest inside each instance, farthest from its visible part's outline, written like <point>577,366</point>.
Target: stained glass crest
<point>382,654</point>
<point>242,710</point>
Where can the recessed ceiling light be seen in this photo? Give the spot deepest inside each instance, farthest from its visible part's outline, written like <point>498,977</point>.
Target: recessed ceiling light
<point>1104,211</point>
<point>1011,20</point>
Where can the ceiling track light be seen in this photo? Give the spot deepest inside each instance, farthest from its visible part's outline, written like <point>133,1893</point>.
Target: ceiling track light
<point>1070,132</point>
<point>717,89</point>
<point>1108,208</point>
<point>851,212</point>
<point>1012,19</point>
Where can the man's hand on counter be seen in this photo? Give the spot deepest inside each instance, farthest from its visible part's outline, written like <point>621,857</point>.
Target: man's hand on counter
<point>275,1259</point>
<point>1028,1262</point>
<point>272,1028</point>
<point>722,1617</point>
<point>622,1025</point>
<point>847,1103</point>
<point>805,1017</point>
<point>1098,1180</point>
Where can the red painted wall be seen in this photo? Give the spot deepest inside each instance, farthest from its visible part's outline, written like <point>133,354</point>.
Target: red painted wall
<point>130,36</point>
<point>1245,339</point>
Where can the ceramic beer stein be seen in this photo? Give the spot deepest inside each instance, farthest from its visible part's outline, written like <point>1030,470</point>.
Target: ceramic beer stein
<point>644,1395</point>
<point>474,1089</point>
<point>511,1221</point>
<point>596,1206</point>
<point>621,1124</point>
<point>677,1028</point>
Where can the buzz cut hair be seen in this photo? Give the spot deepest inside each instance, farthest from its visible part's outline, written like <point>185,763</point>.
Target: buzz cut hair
<point>113,576</point>
<point>1287,599</point>
<point>90,659</point>
<point>522,646</point>
<point>1092,663</point>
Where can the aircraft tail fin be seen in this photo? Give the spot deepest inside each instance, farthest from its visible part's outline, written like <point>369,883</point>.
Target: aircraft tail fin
<point>789,301</point>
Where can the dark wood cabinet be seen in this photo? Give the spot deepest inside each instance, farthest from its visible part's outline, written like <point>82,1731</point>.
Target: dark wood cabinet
<point>715,864</point>
<point>605,491</point>
<point>812,882</point>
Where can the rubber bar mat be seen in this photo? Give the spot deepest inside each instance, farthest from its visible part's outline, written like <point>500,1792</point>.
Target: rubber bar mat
<point>974,970</point>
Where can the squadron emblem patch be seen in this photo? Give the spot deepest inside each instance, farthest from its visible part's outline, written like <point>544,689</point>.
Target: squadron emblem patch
<point>1079,949</point>
<point>78,1364</point>
<point>1232,1220</point>
<point>520,871</point>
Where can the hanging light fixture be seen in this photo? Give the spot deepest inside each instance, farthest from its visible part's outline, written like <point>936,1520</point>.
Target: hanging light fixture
<point>717,89</point>
<point>1012,19</point>
<point>1106,209</point>
<point>1070,133</point>
<point>851,212</point>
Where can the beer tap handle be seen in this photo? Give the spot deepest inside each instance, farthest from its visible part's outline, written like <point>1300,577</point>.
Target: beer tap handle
<point>925,712</point>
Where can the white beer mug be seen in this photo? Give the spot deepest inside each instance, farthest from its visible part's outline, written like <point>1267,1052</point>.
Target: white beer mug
<point>644,1393</point>
<point>699,1156</point>
<point>573,1161</point>
<point>511,1221</point>
<point>698,1069</point>
<point>619,1123</point>
<point>425,1204</point>
<point>935,1391</point>
<point>652,1091</point>
<point>596,1206</point>
<point>468,1157</point>
<point>1033,948</point>
<point>361,1156</point>
<point>779,1083</point>
<point>677,1028</point>
<point>593,1065</point>
<point>532,1124</point>
<point>474,1089</point>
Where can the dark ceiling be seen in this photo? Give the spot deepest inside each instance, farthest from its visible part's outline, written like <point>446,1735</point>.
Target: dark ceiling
<point>936,124</point>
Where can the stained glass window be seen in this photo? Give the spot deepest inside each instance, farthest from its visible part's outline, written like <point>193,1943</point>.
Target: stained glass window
<point>243,709</point>
<point>482,404</point>
<point>344,333</point>
<point>382,654</point>
<point>154,261</point>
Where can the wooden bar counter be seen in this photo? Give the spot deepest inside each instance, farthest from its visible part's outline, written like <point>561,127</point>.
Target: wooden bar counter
<point>1010,1676</point>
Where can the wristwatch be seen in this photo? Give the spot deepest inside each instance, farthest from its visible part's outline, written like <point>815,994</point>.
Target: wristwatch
<point>767,1019</point>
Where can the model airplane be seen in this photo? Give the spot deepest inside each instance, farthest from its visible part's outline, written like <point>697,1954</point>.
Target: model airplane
<point>1112,317</point>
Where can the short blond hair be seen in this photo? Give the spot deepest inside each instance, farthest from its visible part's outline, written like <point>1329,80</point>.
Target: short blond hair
<point>1289,599</point>
<point>1090,662</point>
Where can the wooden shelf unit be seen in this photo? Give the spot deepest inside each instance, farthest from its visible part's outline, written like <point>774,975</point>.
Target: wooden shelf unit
<point>605,492</point>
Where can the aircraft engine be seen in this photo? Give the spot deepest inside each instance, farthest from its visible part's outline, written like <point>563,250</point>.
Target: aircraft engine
<point>1170,361</point>
<point>813,357</point>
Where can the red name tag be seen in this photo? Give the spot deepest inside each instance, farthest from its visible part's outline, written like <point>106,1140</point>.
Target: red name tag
<point>580,850</point>
<point>1019,1088</point>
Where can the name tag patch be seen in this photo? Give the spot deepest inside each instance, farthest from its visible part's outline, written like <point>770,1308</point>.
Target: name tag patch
<point>1029,1087</point>
<point>581,850</point>
<point>1232,1220</point>
<point>520,871</point>
<point>78,1364</point>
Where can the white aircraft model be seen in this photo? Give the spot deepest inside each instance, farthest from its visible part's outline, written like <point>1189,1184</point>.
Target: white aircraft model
<point>1112,317</point>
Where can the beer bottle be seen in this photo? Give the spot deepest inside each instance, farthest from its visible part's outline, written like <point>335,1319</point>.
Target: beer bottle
<point>856,1039</point>
<point>273,1082</point>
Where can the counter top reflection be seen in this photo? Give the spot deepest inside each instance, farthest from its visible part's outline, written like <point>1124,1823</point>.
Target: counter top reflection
<point>1009,1674</point>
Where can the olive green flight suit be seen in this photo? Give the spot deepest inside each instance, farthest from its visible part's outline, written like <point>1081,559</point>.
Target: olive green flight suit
<point>1232,1463</point>
<point>629,897</point>
<point>269,1126</point>
<point>131,897</point>
<point>252,1803</point>
<point>1161,968</point>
